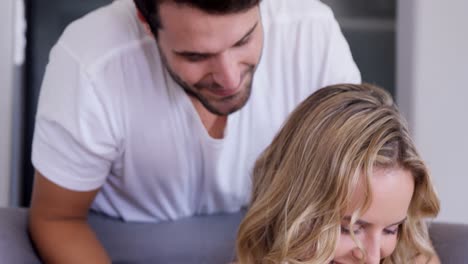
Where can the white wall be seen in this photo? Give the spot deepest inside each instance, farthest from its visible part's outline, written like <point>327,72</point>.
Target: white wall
<point>6,97</point>
<point>432,91</point>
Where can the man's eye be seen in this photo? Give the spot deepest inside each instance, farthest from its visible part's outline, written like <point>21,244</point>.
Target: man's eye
<point>243,42</point>
<point>195,58</point>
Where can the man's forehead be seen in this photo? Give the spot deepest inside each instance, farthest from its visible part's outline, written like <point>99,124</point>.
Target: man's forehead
<point>192,28</point>
<point>174,14</point>
<point>220,7</point>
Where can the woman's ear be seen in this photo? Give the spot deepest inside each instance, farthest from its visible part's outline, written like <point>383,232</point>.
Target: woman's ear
<point>144,22</point>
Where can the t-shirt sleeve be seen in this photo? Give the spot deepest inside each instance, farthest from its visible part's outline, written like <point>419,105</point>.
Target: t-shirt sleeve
<point>322,52</point>
<point>76,137</point>
<point>339,63</point>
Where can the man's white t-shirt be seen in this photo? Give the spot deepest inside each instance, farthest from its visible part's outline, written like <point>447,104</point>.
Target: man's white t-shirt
<point>111,117</point>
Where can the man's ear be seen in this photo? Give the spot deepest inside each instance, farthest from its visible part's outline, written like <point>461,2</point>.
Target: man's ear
<point>144,22</point>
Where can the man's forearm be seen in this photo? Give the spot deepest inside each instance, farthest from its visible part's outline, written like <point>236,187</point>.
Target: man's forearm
<point>67,241</point>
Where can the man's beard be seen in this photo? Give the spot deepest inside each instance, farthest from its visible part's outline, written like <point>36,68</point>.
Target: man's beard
<point>239,99</point>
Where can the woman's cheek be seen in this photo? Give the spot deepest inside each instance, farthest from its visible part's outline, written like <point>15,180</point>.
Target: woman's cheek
<point>345,246</point>
<point>390,245</point>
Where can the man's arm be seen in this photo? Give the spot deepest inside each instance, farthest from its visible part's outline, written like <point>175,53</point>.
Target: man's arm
<point>58,224</point>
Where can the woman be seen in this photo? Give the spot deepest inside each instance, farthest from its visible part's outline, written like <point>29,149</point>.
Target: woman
<point>341,183</point>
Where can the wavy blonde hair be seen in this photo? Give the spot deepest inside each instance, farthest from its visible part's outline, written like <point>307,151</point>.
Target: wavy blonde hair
<point>303,182</point>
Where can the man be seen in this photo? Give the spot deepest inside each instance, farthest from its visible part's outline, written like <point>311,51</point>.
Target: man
<point>158,112</point>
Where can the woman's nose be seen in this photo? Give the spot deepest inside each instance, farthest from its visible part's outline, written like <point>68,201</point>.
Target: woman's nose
<point>372,252</point>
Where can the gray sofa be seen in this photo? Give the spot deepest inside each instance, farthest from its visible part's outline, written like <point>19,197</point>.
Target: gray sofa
<point>204,239</point>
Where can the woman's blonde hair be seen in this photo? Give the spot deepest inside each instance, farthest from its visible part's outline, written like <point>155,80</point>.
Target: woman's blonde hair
<point>303,182</point>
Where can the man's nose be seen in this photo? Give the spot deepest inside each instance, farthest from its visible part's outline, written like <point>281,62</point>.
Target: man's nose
<point>226,71</point>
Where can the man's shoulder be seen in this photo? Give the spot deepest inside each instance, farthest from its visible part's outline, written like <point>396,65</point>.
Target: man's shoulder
<point>103,32</point>
<point>295,10</point>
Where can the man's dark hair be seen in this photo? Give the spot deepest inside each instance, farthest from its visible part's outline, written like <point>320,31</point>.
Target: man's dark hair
<point>150,8</point>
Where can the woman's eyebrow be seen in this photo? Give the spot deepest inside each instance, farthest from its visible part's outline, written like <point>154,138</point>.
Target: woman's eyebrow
<point>364,223</point>
<point>359,221</point>
<point>399,222</point>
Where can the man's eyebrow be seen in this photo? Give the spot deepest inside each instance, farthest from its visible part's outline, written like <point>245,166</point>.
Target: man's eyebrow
<point>364,223</point>
<point>246,35</point>
<point>193,53</point>
<point>208,54</point>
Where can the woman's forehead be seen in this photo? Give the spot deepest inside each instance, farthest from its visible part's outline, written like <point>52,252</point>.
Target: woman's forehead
<point>391,191</point>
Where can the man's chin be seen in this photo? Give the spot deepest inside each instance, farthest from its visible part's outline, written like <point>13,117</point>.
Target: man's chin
<point>224,110</point>
<point>227,105</point>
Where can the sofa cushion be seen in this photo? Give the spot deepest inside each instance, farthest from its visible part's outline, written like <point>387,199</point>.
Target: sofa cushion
<point>450,241</point>
<point>202,239</point>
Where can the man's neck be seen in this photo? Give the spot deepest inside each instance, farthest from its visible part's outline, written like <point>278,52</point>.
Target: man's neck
<point>214,124</point>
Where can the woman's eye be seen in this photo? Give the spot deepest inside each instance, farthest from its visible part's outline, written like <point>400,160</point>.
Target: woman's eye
<point>347,231</point>
<point>391,231</point>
